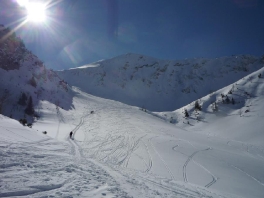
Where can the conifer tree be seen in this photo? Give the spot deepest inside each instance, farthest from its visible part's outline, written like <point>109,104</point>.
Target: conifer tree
<point>186,113</point>
<point>227,100</point>
<point>197,106</point>
<point>23,99</point>
<point>30,109</point>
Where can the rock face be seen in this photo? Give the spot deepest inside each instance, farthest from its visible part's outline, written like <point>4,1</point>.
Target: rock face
<point>24,76</point>
<point>159,85</point>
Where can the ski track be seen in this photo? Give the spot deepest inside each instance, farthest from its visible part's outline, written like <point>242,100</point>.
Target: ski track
<point>115,146</point>
<point>133,148</point>
<point>178,190</point>
<point>163,161</point>
<point>75,150</point>
<point>255,179</point>
<point>61,119</point>
<point>187,162</point>
<point>116,149</point>
<point>150,161</point>
<point>190,158</point>
<point>47,167</point>
<point>248,148</point>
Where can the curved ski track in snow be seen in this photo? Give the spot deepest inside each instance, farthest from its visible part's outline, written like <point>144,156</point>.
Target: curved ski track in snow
<point>163,161</point>
<point>187,162</point>
<point>114,136</point>
<point>61,119</point>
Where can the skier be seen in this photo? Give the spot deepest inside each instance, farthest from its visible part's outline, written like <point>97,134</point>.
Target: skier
<point>71,133</point>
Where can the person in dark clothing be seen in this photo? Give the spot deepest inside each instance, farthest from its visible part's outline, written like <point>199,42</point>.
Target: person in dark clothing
<point>71,133</point>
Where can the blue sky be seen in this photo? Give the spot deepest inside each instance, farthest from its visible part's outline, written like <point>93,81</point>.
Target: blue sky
<point>83,31</point>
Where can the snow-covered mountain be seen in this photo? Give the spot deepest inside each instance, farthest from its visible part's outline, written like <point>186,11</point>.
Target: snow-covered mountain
<point>235,111</point>
<point>209,143</point>
<point>159,85</point>
<point>24,76</point>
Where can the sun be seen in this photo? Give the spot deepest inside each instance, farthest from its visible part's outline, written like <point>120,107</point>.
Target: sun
<point>36,12</point>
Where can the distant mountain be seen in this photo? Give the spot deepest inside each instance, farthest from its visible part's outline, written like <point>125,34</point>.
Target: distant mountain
<point>159,85</point>
<point>24,76</point>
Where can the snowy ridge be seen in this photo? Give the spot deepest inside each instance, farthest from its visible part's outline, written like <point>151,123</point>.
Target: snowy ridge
<point>159,85</point>
<point>240,102</point>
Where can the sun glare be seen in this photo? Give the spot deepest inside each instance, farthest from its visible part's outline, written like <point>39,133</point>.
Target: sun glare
<point>36,12</point>
<point>22,3</point>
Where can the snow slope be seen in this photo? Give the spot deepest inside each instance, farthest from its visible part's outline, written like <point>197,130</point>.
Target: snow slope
<point>23,74</point>
<point>37,166</point>
<point>48,87</point>
<point>241,121</point>
<point>121,151</point>
<point>152,151</point>
<point>150,157</point>
<point>159,85</point>
<point>34,165</point>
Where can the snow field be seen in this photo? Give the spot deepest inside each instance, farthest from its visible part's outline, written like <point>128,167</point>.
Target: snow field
<point>146,149</point>
<point>34,165</point>
<point>142,154</point>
